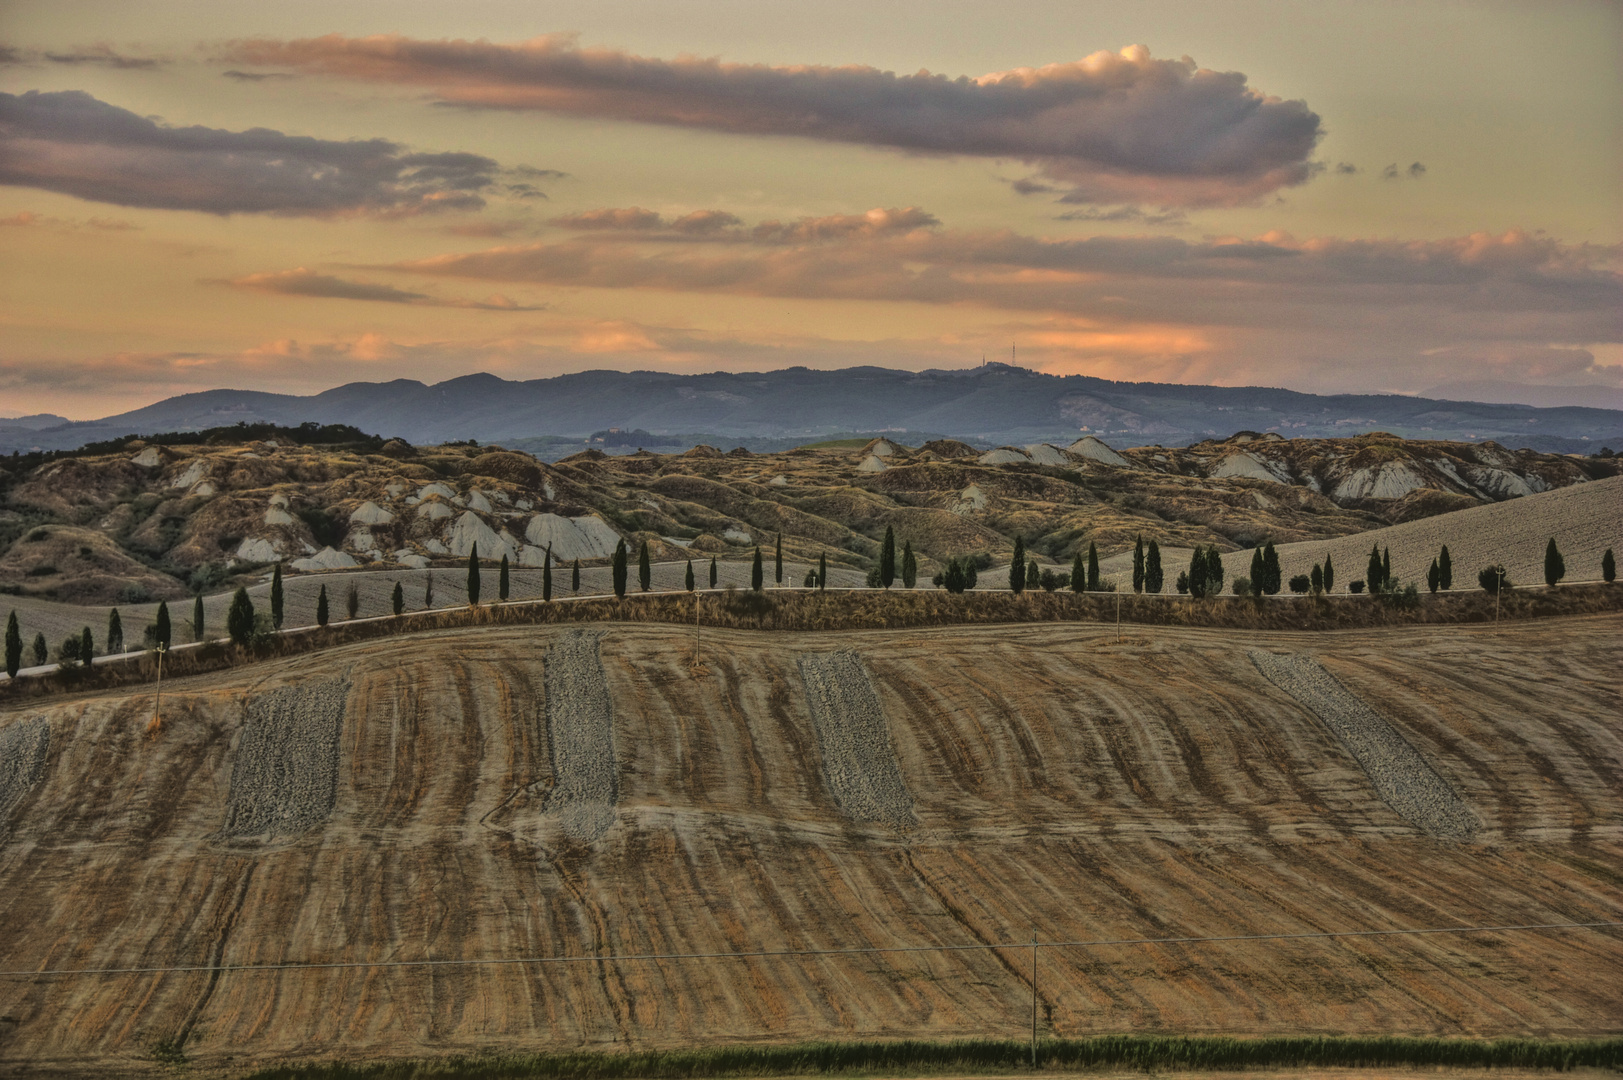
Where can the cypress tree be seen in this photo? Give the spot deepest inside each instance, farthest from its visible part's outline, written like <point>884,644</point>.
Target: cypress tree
<point>276,597</point>
<point>14,647</point>
<point>1152,568</point>
<point>645,570</point>
<point>161,631</point>
<point>688,580</point>
<point>352,601</point>
<point>1608,567</point>
<point>1017,567</point>
<point>115,633</point>
<point>197,618</point>
<point>713,575</point>
<point>910,566</point>
<point>321,607</point>
<point>1196,576</point>
<point>473,576</point>
<point>757,572</point>
<point>42,651</point>
<point>1329,573</point>
<point>1138,564</point>
<point>1093,567</point>
<point>87,646</point>
<point>1272,580</point>
<point>1372,573</point>
<point>1386,569</point>
<point>398,600</point>
<point>1555,567</point>
<point>1317,578</point>
<point>618,567</point>
<point>1259,575</point>
<point>501,581</point>
<point>887,558</point>
<point>1034,576</point>
<point>1445,569</point>
<point>546,575</point>
<point>777,562</point>
<point>822,572</point>
<point>428,591</point>
<point>1214,571</point>
<point>1434,577</point>
<point>239,621</point>
<point>1079,574</point>
<point>574,577</point>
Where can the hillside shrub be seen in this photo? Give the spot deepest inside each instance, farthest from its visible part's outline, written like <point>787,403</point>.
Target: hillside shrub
<point>1355,587</point>
<point>1491,580</point>
<point>1182,584</point>
<point>1242,586</point>
<point>1301,583</point>
<point>1050,580</point>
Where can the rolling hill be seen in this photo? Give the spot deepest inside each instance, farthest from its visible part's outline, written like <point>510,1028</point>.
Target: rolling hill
<point>994,403</point>
<point>500,793</point>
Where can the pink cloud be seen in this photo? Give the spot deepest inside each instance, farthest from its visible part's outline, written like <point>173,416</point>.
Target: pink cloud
<point>1113,126</point>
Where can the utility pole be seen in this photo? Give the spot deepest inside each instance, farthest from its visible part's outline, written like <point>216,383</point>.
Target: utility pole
<point>1499,570</point>
<point>1033,1001</point>
<point>157,700</point>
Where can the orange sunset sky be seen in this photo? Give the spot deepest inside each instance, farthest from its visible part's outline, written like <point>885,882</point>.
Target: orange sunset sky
<point>1335,196</point>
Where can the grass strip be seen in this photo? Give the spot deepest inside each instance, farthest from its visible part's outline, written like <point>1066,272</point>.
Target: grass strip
<point>1143,1052</point>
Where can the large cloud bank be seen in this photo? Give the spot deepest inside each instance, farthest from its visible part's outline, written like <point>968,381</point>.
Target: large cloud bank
<point>1112,126</point>
<point>72,143</point>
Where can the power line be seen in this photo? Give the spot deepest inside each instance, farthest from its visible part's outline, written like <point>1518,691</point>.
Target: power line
<point>617,958</point>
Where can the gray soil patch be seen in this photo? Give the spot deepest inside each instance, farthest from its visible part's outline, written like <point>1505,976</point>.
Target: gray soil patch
<point>580,734</point>
<point>1400,775</point>
<point>285,777</point>
<point>23,749</point>
<point>859,760</point>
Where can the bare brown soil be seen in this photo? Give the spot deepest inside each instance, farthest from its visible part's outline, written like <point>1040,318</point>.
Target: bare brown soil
<point>1063,784</point>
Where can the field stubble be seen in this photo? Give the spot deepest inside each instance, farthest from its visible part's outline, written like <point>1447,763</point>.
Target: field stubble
<point>1061,781</point>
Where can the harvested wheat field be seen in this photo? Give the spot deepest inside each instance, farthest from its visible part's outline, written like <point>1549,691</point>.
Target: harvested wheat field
<point>505,792</point>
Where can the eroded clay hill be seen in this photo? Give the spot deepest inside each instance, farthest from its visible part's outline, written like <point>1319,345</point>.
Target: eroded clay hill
<point>500,793</point>
<point>152,521</point>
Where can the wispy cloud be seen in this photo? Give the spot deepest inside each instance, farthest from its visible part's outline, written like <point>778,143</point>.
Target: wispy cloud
<point>1326,302</point>
<point>1131,214</point>
<point>255,76</point>
<point>304,282</point>
<point>103,55</point>
<point>1414,172</point>
<point>1115,126</point>
<point>72,143</point>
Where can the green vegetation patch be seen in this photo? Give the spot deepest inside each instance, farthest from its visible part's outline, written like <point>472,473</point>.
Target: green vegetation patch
<point>1146,1052</point>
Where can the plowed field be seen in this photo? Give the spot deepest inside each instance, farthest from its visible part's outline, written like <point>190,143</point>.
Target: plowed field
<point>1060,784</point>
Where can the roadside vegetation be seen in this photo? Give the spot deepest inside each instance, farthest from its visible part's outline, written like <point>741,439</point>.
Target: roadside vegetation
<point>1148,1053</point>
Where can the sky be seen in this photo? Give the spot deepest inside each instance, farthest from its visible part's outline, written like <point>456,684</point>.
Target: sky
<point>1402,196</point>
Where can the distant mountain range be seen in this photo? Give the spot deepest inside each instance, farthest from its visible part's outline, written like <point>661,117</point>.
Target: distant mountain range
<point>991,404</point>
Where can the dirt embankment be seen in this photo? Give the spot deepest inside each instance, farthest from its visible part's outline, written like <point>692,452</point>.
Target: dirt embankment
<point>1061,781</point>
